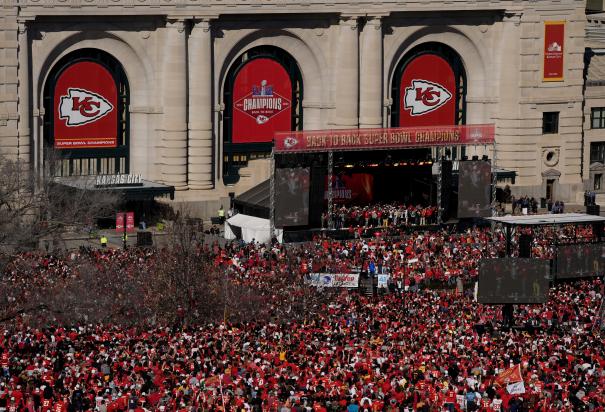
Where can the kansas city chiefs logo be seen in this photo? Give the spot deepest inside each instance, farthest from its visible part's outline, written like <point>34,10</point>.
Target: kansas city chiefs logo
<point>476,134</point>
<point>81,107</point>
<point>262,103</point>
<point>424,97</point>
<point>290,142</point>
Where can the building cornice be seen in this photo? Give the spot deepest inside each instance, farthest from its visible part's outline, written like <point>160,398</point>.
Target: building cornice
<point>192,8</point>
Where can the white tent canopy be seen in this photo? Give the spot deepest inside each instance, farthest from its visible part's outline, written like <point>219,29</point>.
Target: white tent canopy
<point>548,219</point>
<point>252,228</point>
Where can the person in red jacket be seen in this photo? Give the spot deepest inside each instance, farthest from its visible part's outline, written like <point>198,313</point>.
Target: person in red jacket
<point>13,406</point>
<point>47,405</point>
<point>61,405</point>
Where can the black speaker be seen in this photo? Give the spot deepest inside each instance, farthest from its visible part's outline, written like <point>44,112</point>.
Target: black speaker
<point>144,239</point>
<point>446,188</point>
<point>598,229</point>
<point>594,210</point>
<point>317,191</point>
<point>525,245</point>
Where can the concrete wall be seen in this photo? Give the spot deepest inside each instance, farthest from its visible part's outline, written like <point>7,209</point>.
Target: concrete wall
<point>176,56</point>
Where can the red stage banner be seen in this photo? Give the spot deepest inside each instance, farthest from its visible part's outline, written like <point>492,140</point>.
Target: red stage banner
<point>262,96</point>
<point>428,92</point>
<point>393,138</point>
<point>85,108</point>
<point>129,222</point>
<point>554,39</point>
<point>120,222</point>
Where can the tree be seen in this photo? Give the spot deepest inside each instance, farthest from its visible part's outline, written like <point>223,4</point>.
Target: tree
<point>34,207</point>
<point>75,287</point>
<point>187,285</point>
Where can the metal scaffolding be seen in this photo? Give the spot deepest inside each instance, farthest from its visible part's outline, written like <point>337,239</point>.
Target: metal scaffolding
<point>439,185</point>
<point>272,196</point>
<point>494,179</point>
<point>330,190</point>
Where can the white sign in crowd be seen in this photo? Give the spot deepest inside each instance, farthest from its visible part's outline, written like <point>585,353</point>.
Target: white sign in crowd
<point>334,280</point>
<point>342,280</point>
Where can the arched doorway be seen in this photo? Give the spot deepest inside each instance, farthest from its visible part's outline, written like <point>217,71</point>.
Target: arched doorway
<point>429,89</point>
<point>430,72</point>
<point>86,119</point>
<point>263,94</point>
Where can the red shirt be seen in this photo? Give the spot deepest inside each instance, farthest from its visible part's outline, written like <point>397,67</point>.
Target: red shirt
<point>60,407</point>
<point>47,405</point>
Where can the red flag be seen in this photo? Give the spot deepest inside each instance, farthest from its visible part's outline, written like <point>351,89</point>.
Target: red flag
<point>510,375</point>
<point>212,382</point>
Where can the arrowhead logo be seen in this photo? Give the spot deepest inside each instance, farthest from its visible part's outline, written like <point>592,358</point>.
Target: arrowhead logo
<point>476,134</point>
<point>290,142</point>
<point>81,107</point>
<point>424,97</point>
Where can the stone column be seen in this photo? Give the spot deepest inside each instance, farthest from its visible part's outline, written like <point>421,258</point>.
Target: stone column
<point>510,66</point>
<point>508,115</point>
<point>200,107</point>
<point>24,109</point>
<point>347,74</point>
<point>370,74</point>
<point>174,76</point>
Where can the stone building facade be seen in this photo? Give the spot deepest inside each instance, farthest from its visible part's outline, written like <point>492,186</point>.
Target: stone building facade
<point>177,57</point>
<point>593,160</point>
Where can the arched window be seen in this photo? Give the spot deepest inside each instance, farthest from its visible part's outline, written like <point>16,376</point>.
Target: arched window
<point>263,94</point>
<point>86,119</point>
<point>429,87</point>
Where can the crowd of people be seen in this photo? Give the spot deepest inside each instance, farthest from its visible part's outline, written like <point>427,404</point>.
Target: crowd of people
<point>527,205</point>
<point>381,215</point>
<point>414,351</point>
<point>421,348</point>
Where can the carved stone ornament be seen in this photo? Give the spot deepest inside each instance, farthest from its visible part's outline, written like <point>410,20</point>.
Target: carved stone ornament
<point>349,21</point>
<point>514,17</point>
<point>550,156</point>
<point>179,25</point>
<point>375,22</point>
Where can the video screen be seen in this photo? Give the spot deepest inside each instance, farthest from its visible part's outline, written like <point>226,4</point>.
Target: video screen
<point>474,188</point>
<point>513,280</point>
<point>580,261</point>
<point>292,196</point>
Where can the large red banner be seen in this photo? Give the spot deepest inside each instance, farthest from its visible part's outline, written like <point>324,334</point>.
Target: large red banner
<point>392,138</point>
<point>262,96</point>
<point>428,92</point>
<point>554,40</point>
<point>129,222</point>
<point>85,108</point>
<point>120,222</point>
